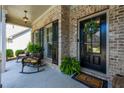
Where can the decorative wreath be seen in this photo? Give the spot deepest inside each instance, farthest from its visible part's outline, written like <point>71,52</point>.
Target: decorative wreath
<point>91,27</point>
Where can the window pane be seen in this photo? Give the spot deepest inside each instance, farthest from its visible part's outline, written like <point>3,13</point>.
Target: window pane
<point>49,42</point>
<point>96,42</point>
<point>92,38</point>
<point>49,35</point>
<point>37,39</point>
<point>88,43</point>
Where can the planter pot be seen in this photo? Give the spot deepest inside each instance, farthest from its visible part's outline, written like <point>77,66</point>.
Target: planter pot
<point>0,85</point>
<point>118,81</point>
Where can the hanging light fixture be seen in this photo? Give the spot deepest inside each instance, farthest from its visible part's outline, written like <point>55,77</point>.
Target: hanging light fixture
<point>25,18</point>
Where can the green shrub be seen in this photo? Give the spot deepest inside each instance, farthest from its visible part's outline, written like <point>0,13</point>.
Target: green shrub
<point>9,53</point>
<point>33,48</point>
<point>70,65</point>
<point>19,52</point>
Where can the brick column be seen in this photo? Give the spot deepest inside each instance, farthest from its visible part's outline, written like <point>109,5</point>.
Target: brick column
<point>65,31</point>
<point>116,40</point>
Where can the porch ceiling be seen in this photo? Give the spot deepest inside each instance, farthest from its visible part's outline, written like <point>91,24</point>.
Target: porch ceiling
<point>15,13</point>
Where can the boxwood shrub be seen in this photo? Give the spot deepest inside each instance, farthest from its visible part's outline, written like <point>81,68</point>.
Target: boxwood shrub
<point>9,53</point>
<point>19,52</point>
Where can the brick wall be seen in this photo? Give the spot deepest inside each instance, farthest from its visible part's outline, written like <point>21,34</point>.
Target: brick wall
<point>115,62</point>
<point>116,40</point>
<point>52,15</point>
<point>60,13</point>
<point>68,26</point>
<point>77,12</point>
<point>65,30</point>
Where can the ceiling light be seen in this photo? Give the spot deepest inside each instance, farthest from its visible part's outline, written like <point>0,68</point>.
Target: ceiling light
<point>25,18</point>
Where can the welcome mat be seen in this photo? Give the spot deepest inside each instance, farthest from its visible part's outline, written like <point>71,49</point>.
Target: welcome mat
<point>90,81</point>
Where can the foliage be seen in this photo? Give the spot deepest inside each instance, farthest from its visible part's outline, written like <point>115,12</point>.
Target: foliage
<point>33,48</point>
<point>70,65</point>
<point>9,53</point>
<point>19,52</point>
<point>91,27</point>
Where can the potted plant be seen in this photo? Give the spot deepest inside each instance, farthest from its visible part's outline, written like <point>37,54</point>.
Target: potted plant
<point>34,48</point>
<point>70,65</point>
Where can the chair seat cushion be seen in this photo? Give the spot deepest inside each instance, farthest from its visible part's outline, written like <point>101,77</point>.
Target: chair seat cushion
<point>33,61</point>
<point>30,60</point>
<point>27,59</point>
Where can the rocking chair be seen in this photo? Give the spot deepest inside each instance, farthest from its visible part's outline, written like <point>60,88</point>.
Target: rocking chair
<point>34,61</point>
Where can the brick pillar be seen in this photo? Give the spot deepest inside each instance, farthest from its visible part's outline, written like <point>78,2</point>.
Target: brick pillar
<point>116,40</point>
<point>64,31</point>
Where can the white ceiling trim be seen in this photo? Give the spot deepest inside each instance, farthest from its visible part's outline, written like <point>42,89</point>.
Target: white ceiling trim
<point>47,11</point>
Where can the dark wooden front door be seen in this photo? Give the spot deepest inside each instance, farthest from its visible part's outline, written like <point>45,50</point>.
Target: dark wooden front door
<point>55,42</point>
<point>93,46</point>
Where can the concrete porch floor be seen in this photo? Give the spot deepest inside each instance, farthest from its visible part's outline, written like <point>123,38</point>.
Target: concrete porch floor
<point>49,78</point>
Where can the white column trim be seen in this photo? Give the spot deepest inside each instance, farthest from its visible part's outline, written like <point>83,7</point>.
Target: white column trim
<point>3,40</point>
<point>0,42</point>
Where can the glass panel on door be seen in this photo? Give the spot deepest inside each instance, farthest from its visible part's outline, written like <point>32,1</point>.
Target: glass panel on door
<point>88,43</point>
<point>96,39</point>
<point>92,39</point>
<point>49,42</point>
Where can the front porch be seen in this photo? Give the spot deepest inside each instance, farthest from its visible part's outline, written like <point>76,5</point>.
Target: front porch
<point>49,78</point>
<point>63,31</point>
